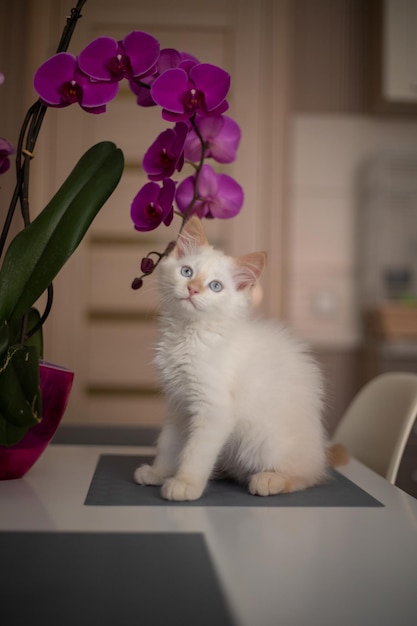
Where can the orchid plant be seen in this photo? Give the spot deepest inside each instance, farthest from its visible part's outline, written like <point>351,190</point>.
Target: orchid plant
<point>192,97</point>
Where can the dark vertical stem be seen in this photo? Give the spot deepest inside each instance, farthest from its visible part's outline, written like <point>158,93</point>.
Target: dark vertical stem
<point>24,153</point>
<point>197,173</point>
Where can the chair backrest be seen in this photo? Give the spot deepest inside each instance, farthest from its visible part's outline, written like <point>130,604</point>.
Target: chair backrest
<point>378,422</point>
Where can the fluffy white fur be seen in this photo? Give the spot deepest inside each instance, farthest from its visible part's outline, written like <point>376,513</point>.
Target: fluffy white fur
<point>244,396</point>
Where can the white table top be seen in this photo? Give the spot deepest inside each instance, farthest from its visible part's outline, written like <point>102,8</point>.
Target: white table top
<point>287,565</point>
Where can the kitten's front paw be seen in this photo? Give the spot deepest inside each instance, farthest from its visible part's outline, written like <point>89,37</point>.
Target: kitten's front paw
<point>146,475</point>
<point>181,489</point>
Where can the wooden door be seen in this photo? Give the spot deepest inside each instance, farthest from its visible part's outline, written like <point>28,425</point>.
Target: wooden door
<point>99,325</point>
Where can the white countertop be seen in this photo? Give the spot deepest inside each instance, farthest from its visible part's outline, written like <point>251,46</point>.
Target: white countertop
<point>286,565</point>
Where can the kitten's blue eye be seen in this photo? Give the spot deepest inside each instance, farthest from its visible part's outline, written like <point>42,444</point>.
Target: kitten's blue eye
<point>186,271</point>
<point>215,286</point>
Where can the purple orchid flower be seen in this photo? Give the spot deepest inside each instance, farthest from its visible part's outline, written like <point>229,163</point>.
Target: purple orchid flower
<point>106,59</point>
<point>219,195</point>
<point>1,78</point>
<point>169,58</point>
<point>191,89</point>
<point>6,149</point>
<point>221,135</point>
<point>166,154</point>
<point>59,82</point>
<point>153,205</point>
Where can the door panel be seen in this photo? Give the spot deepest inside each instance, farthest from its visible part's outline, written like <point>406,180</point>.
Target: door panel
<point>99,326</point>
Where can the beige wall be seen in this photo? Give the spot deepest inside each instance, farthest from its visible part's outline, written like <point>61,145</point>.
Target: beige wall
<point>337,132</point>
<point>301,70</point>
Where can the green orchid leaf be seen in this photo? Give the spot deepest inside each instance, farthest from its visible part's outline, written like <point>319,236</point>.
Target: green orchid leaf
<point>36,340</point>
<point>9,433</point>
<point>37,253</point>
<point>30,320</point>
<point>14,327</point>
<point>20,396</point>
<point>4,340</point>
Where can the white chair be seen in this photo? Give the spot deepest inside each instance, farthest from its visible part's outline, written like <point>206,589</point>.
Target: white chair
<point>376,426</point>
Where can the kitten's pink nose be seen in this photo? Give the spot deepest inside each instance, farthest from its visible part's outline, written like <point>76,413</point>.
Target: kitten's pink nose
<point>192,290</point>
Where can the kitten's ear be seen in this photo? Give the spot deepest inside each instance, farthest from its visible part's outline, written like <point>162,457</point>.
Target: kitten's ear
<point>191,238</point>
<point>249,268</point>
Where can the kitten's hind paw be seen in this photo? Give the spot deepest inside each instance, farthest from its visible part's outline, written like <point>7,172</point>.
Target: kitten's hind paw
<point>146,475</point>
<point>267,484</point>
<point>272,483</point>
<point>181,489</point>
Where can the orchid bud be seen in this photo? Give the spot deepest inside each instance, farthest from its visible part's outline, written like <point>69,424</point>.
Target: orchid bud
<point>137,283</point>
<point>147,265</point>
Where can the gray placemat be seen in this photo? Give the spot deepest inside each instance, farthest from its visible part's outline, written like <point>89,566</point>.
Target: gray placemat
<point>72,434</point>
<point>106,579</point>
<point>112,485</point>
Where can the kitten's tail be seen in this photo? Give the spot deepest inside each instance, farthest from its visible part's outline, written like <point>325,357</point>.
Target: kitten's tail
<point>337,455</point>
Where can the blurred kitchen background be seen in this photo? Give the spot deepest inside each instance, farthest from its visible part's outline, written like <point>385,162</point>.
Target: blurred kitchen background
<point>325,92</point>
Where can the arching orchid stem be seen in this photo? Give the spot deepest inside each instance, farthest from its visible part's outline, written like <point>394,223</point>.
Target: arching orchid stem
<point>194,165</point>
<point>197,173</point>
<point>44,316</point>
<point>70,26</point>
<point>25,155</point>
<point>142,84</point>
<point>19,180</point>
<point>138,282</point>
<point>10,214</point>
<point>28,136</point>
<point>25,151</point>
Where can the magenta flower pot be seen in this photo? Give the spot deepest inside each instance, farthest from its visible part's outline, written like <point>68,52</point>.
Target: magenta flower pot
<point>55,383</point>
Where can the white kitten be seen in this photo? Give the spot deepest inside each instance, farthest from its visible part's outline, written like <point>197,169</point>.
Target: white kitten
<point>244,397</point>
